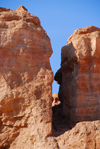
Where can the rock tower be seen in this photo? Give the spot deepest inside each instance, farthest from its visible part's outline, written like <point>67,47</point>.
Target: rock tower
<point>79,75</point>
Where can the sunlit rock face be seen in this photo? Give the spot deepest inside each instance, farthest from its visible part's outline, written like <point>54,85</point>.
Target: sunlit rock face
<point>25,81</point>
<point>83,135</point>
<point>80,75</point>
<point>25,86</point>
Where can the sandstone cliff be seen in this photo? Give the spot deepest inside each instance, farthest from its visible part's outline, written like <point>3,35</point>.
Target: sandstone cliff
<point>25,81</point>
<point>26,86</point>
<point>79,76</point>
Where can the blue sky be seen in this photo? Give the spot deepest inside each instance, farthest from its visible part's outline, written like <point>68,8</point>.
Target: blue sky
<point>60,18</point>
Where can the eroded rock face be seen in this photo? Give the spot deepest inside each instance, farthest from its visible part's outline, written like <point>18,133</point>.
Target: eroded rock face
<point>25,81</point>
<point>80,81</point>
<point>25,86</point>
<point>55,99</point>
<point>83,135</point>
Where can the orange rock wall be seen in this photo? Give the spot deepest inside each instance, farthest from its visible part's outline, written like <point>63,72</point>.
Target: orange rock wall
<point>25,81</point>
<point>25,86</point>
<point>80,87</point>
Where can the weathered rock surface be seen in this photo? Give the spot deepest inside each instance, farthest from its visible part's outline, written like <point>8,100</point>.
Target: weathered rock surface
<point>79,92</point>
<point>55,99</point>
<point>25,81</point>
<point>80,76</point>
<point>25,86</point>
<point>85,135</point>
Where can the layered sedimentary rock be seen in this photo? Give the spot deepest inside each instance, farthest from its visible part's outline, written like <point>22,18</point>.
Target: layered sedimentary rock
<point>79,75</point>
<point>25,81</point>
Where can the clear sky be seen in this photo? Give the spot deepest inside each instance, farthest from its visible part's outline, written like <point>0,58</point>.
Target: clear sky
<point>60,18</point>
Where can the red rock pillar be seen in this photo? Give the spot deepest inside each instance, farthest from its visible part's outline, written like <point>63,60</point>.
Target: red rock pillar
<point>80,65</point>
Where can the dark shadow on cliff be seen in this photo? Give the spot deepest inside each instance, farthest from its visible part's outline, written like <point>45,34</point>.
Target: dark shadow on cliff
<point>62,113</point>
<point>59,123</point>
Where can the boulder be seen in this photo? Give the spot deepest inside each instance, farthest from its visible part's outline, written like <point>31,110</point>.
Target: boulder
<point>85,135</point>
<point>55,99</point>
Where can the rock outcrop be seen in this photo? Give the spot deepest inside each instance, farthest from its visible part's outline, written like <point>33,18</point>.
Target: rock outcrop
<point>25,81</point>
<point>85,135</point>
<point>26,86</point>
<point>55,99</point>
<point>79,76</point>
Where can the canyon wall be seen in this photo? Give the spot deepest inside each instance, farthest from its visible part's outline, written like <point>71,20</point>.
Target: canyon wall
<point>26,78</point>
<point>79,76</point>
<point>25,81</point>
